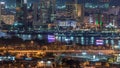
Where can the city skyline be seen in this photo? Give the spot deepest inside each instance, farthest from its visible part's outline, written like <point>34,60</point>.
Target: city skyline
<point>51,11</point>
<point>59,33</point>
<point>74,16</point>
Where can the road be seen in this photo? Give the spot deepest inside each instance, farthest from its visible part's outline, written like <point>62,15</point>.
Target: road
<point>63,51</point>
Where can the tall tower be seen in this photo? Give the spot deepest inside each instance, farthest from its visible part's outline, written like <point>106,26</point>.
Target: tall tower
<point>79,11</point>
<point>53,11</point>
<point>35,14</point>
<point>21,12</point>
<point>18,10</point>
<point>1,6</point>
<point>75,10</point>
<point>47,11</point>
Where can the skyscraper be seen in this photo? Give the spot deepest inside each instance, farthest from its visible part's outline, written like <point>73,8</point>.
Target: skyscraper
<point>1,6</point>
<point>47,11</point>
<point>69,13</point>
<point>75,10</point>
<point>21,12</point>
<point>35,14</point>
<point>18,9</point>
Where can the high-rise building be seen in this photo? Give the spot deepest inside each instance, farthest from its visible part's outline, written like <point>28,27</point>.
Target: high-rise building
<point>1,10</point>
<point>47,11</point>
<point>35,14</point>
<point>70,13</point>
<point>21,12</point>
<point>8,19</point>
<point>75,11</point>
<point>115,2</point>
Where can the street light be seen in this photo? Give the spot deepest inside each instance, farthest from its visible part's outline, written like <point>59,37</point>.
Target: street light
<point>44,64</point>
<point>2,2</point>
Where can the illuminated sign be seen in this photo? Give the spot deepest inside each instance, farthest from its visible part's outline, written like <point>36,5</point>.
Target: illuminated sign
<point>99,42</point>
<point>51,38</point>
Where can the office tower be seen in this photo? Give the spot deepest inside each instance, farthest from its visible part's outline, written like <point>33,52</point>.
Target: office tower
<point>35,14</point>
<point>19,4</point>
<point>69,13</point>
<point>53,11</point>
<point>70,8</point>
<point>60,2</point>
<point>114,2</point>
<point>47,11</point>
<point>21,12</point>
<point>24,9</point>
<point>1,10</point>
<point>75,11</point>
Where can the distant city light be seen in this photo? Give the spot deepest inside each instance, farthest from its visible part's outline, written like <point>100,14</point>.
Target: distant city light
<point>49,62</point>
<point>113,6</point>
<point>116,47</point>
<point>25,1</point>
<point>66,39</point>
<point>84,53</point>
<point>51,38</point>
<point>94,56</point>
<point>99,42</point>
<point>61,7</point>
<point>41,61</point>
<point>2,2</point>
<point>100,53</point>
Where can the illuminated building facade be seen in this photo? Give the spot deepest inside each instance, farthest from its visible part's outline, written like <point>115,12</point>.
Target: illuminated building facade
<point>8,19</point>
<point>95,3</point>
<point>101,4</point>
<point>21,11</point>
<point>75,11</point>
<point>115,2</point>
<point>70,13</point>
<point>47,11</point>
<point>35,14</point>
<point>2,7</point>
